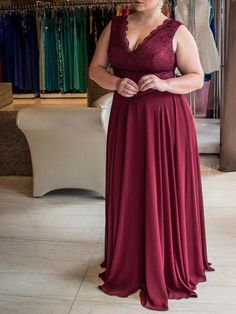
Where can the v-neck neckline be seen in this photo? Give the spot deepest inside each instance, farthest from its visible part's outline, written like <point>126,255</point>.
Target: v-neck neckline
<point>126,40</point>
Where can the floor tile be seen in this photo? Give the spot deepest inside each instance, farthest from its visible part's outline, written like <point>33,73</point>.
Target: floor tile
<point>51,249</point>
<point>27,305</point>
<point>43,268</point>
<point>184,306</point>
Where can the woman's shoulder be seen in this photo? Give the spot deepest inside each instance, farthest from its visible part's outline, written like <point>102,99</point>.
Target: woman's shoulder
<point>181,33</point>
<point>176,26</point>
<point>180,27</point>
<point>175,23</point>
<point>116,19</point>
<point>116,22</point>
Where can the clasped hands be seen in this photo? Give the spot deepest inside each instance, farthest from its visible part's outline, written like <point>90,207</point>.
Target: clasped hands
<point>128,88</point>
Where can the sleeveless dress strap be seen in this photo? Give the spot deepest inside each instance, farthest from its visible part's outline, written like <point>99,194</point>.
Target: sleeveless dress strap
<point>116,27</point>
<point>116,24</point>
<point>174,25</point>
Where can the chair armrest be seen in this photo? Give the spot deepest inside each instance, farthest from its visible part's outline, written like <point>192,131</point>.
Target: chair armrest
<point>79,119</point>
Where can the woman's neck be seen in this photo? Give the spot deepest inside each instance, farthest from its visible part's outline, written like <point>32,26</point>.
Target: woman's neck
<point>150,16</point>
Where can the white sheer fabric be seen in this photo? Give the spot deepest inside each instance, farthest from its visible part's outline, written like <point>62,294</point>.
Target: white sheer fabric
<point>208,52</point>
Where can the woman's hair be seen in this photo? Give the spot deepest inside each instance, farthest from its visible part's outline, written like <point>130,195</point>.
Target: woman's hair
<point>161,3</point>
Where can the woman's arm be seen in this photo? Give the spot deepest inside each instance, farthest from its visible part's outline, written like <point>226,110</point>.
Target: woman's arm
<point>99,64</point>
<point>188,63</point>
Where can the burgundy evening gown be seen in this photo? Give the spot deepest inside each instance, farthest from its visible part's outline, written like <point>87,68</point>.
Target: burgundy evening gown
<point>155,237</point>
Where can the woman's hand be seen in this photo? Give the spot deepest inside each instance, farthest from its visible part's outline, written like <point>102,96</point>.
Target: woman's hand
<point>152,81</point>
<point>127,88</point>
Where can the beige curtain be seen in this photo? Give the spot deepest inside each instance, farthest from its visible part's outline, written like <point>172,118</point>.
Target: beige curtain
<point>228,119</point>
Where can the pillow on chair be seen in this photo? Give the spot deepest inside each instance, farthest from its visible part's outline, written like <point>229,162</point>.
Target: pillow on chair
<point>104,102</point>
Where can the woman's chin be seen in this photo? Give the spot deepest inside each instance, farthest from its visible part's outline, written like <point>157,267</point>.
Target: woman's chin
<point>138,8</point>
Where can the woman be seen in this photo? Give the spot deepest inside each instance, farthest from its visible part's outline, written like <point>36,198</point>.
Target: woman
<point>155,233</point>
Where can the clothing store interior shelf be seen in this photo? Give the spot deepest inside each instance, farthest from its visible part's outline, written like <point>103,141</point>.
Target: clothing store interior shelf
<point>25,95</point>
<point>61,95</point>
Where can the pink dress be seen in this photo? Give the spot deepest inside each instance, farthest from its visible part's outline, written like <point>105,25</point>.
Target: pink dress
<point>155,237</point>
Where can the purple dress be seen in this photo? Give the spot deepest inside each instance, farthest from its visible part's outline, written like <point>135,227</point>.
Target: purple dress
<point>155,237</point>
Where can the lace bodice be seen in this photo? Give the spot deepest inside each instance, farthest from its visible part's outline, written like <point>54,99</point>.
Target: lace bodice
<point>153,55</point>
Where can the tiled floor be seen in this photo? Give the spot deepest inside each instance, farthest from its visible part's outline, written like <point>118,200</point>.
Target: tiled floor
<point>51,247</point>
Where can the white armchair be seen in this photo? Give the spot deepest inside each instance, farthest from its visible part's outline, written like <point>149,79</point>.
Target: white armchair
<point>67,145</point>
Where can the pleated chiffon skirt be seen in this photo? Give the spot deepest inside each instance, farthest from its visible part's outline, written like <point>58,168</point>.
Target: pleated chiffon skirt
<point>155,236</point>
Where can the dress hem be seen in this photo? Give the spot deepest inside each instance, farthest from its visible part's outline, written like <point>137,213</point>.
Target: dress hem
<point>171,295</point>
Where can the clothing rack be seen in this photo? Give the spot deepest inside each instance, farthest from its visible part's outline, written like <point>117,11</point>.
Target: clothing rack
<point>221,40</point>
<point>40,5</point>
<point>20,7</point>
<point>218,87</point>
<point>219,9</point>
<point>66,4</point>
<point>82,3</point>
<point>78,4</point>
<point>192,98</point>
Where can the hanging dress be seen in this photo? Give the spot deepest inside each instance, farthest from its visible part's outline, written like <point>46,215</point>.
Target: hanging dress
<point>154,232</point>
<point>206,44</point>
